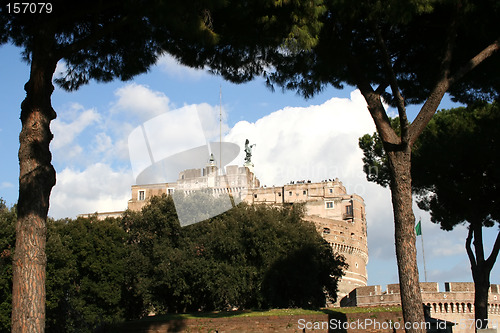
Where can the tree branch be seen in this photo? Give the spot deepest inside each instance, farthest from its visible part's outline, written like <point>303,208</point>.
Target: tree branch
<point>474,62</point>
<point>468,248</point>
<point>400,102</point>
<point>375,106</point>
<point>381,88</point>
<point>494,253</point>
<point>478,242</point>
<point>442,85</point>
<point>432,103</point>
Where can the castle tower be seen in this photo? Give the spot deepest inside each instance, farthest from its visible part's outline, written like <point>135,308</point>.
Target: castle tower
<point>342,223</point>
<point>338,216</point>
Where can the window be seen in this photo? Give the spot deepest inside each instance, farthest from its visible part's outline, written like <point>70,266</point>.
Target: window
<point>142,195</point>
<point>279,194</point>
<point>255,196</point>
<point>304,192</point>
<point>331,190</point>
<point>326,231</point>
<point>329,204</point>
<point>290,193</point>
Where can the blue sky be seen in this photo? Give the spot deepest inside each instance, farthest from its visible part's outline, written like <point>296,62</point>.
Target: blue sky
<point>296,139</point>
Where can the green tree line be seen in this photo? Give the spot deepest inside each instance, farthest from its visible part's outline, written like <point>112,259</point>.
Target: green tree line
<point>102,272</point>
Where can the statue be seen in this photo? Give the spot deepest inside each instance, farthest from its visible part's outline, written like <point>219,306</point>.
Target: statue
<point>248,152</point>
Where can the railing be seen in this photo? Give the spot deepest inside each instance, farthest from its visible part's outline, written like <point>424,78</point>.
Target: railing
<point>348,216</point>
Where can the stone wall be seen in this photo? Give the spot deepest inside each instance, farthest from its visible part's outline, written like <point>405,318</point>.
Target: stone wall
<point>455,303</point>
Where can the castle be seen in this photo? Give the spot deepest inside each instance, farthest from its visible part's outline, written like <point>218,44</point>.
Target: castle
<point>338,216</point>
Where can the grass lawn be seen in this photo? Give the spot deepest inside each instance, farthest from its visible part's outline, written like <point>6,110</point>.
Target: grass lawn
<point>264,313</point>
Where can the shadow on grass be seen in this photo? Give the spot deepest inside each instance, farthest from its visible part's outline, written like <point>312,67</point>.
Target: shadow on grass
<point>334,320</point>
<point>170,323</point>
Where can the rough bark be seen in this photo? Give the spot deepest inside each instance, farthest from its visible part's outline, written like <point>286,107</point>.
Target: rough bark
<point>481,288</point>
<point>36,179</point>
<point>404,229</point>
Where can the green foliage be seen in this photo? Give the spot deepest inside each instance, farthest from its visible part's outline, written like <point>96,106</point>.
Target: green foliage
<point>375,161</point>
<point>415,35</point>
<point>8,218</point>
<point>235,260</point>
<point>85,274</point>
<point>103,41</point>
<point>454,165</point>
<point>103,272</point>
<point>152,234</point>
<point>301,278</point>
<point>249,33</point>
<point>120,39</point>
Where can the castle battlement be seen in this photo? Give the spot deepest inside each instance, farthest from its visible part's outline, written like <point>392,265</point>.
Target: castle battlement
<point>455,303</point>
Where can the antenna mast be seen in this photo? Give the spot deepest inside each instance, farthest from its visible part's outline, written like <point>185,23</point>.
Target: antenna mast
<point>220,129</point>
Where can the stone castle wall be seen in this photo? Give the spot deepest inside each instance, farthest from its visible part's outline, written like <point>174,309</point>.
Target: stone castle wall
<point>455,303</point>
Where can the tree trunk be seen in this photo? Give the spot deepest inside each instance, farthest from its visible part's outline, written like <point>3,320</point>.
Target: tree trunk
<point>398,151</point>
<point>481,270</point>
<point>481,288</point>
<point>36,179</point>
<point>404,227</point>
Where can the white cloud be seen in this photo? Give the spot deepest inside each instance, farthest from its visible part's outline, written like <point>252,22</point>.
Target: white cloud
<point>61,69</point>
<point>317,142</point>
<point>140,101</point>
<point>459,272</point>
<point>88,180</point>
<point>449,244</point>
<point>98,188</point>
<point>65,132</point>
<point>173,68</point>
<point>102,143</point>
<point>6,185</point>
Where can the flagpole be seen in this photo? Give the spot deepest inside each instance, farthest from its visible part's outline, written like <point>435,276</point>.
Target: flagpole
<point>423,252</point>
<point>220,130</point>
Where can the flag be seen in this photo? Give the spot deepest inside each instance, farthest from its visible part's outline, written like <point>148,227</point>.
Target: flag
<point>418,229</point>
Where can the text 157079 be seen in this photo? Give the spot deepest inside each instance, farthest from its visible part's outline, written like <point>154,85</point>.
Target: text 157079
<point>29,8</point>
